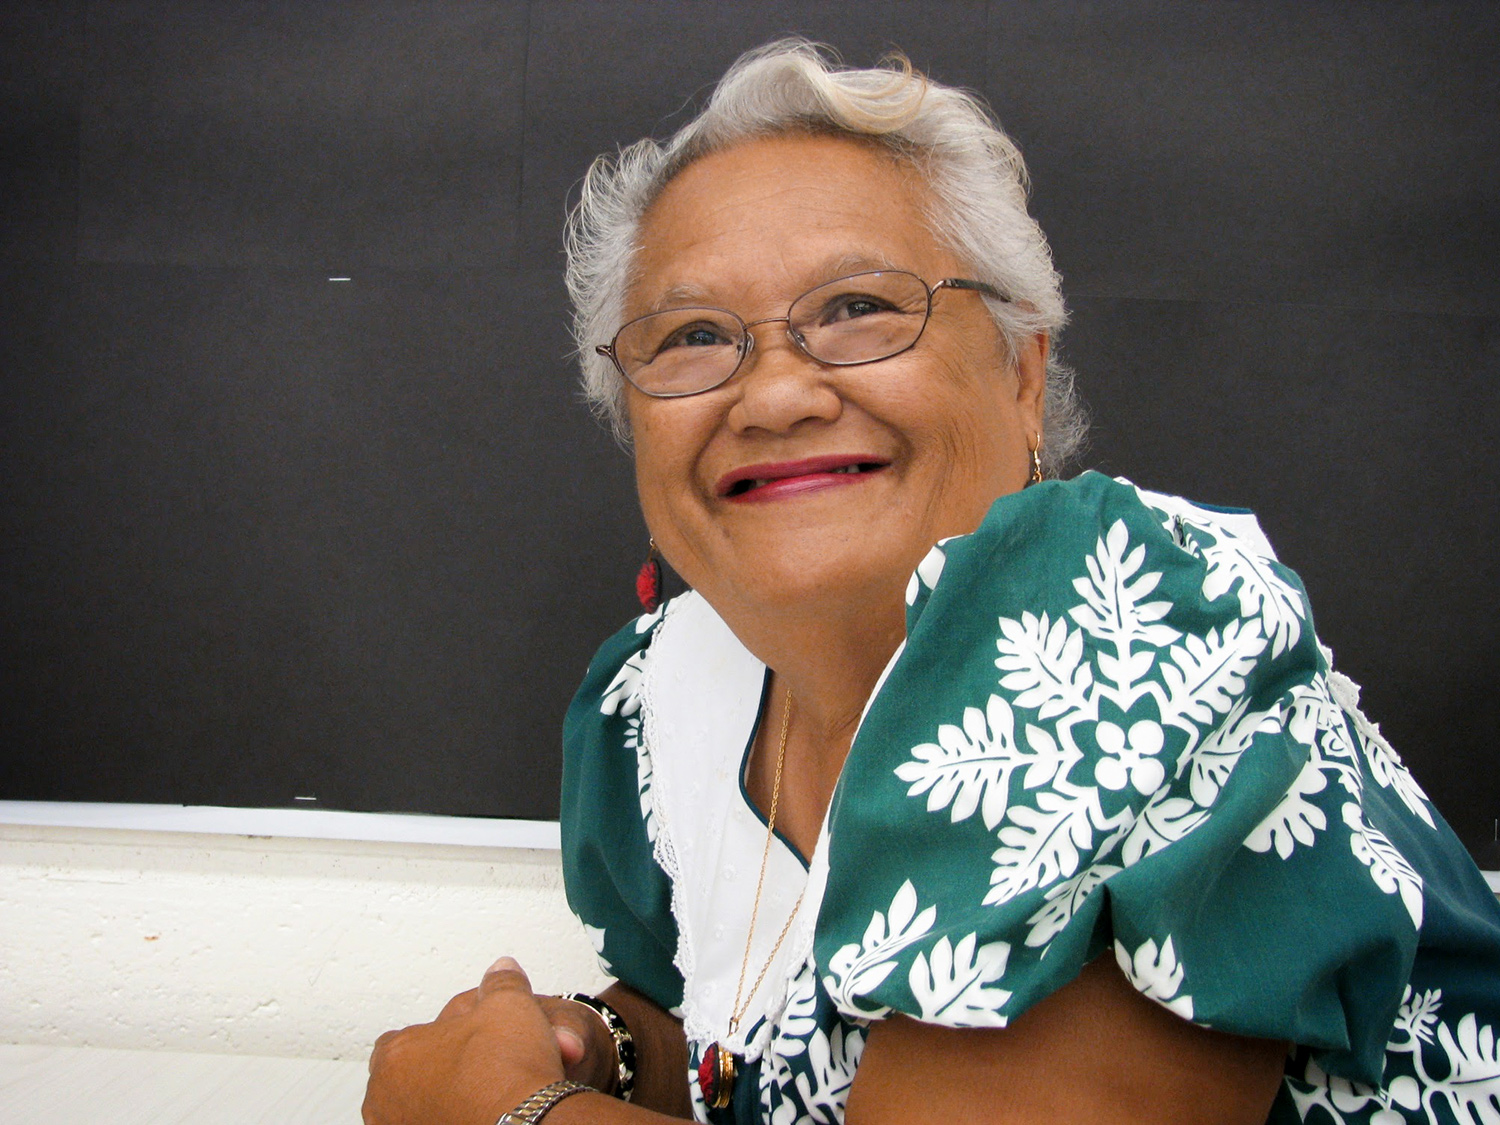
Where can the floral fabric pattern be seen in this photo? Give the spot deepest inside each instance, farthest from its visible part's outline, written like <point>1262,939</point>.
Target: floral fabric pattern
<point>1111,729</point>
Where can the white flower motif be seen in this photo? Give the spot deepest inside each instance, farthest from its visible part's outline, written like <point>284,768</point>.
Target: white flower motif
<point>1132,756</point>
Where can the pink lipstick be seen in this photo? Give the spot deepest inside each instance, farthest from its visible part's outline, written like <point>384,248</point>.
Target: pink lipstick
<point>782,479</point>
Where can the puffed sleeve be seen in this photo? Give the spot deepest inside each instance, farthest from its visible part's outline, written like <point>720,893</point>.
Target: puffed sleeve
<point>614,885</point>
<point>1112,729</point>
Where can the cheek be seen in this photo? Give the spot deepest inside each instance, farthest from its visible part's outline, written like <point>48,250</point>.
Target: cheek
<point>973,438</point>
<point>666,442</point>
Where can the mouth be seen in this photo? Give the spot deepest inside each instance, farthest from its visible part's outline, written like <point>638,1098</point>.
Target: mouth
<point>785,478</point>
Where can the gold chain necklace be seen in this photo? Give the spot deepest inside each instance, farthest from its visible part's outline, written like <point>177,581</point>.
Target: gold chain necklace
<point>716,1073</point>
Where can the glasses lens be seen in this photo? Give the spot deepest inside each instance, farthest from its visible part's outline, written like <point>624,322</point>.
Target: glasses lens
<point>862,318</point>
<point>680,351</point>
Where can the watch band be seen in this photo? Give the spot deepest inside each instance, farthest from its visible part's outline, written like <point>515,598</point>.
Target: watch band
<point>536,1107</point>
<point>620,1033</point>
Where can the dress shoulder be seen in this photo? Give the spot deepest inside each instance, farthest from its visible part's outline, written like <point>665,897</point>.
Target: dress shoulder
<point>1112,729</point>
<point>614,885</point>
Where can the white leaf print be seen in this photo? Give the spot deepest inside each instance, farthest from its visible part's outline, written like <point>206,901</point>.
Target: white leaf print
<point>1320,724</point>
<point>928,571</point>
<point>975,762</point>
<point>1262,592</point>
<point>1161,822</point>
<point>1043,665</point>
<point>798,1019</point>
<point>1156,974</point>
<point>1214,759</point>
<point>1295,820</point>
<point>1205,675</point>
<point>1041,845</point>
<point>1388,770</point>
<point>1388,867</point>
<point>1063,901</point>
<point>1472,1088</point>
<point>623,696</point>
<point>952,988</point>
<point>857,970</point>
<point>1335,1096</point>
<point>824,1085</point>
<point>1113,609</point>
<point>1418,1013</point>
<point>595,934</point>
<point>645,773</point>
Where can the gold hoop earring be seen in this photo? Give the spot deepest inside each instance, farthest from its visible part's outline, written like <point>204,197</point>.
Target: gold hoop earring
<point>1036,461</point>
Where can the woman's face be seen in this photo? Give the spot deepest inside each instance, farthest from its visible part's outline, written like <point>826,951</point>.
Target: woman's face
<point>933,435</point>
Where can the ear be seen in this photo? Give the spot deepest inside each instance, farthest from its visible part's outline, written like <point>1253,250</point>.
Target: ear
<point>1031,380</point>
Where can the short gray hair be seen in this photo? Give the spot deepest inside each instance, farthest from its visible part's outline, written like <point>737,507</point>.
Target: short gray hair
<point>975,172</point>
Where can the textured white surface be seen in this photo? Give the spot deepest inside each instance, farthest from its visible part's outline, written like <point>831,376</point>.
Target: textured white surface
<point>95,1086</point>
<point>241,945</point>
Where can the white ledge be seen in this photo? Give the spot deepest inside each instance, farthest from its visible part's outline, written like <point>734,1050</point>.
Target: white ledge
<point>307,824</point>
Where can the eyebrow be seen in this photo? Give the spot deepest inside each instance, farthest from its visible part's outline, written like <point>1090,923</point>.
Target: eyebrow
<point>832,268</point>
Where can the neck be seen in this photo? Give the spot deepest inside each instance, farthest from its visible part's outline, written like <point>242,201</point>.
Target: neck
<point>828,660</point>
<point>829,664</point>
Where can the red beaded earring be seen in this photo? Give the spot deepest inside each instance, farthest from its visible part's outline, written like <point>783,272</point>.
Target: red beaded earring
<point>648,580</point>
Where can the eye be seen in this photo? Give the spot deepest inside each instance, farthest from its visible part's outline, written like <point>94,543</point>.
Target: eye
<point>697,335</point>
<point>849,306</point>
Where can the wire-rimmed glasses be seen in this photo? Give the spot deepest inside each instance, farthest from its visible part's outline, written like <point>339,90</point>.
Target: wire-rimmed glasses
<point>862,318</point>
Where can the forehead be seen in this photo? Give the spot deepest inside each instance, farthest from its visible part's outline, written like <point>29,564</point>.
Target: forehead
<point>769,218</point>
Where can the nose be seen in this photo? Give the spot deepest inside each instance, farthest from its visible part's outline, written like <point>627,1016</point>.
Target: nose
<point>781,386</point>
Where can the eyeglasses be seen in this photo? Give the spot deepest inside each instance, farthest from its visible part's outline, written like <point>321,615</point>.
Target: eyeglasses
<point>863,318</point>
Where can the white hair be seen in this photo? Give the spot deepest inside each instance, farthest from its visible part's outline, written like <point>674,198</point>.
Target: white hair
<point>975,174</point>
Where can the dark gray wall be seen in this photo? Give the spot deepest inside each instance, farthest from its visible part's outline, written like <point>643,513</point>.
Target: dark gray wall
<point>265,535</point>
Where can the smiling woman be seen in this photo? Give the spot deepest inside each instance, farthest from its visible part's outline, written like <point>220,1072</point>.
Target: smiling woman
<point>947,793</point>
<point>945,426</point>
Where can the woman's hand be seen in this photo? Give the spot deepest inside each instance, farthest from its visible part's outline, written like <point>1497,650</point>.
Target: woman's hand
<point>488,1050</point>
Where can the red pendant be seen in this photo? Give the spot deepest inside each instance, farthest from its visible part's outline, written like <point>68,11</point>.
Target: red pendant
<point>716,1076</point>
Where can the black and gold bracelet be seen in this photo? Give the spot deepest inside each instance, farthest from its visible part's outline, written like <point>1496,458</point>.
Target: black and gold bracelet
<point>536,1107</point>
<point>620,1033</point>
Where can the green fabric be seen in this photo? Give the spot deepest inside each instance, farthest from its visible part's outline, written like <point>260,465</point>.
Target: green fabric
<point>1111,728</point>
<point>613,883</point>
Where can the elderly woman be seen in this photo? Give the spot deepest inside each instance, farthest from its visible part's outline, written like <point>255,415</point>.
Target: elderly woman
<point>949,792</point>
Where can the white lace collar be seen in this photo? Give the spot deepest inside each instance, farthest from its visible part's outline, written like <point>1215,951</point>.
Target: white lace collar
<point>701,695</point>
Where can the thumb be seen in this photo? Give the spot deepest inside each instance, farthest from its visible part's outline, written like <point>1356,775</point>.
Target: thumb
<point>569,1044</point>
<point>506,973</point>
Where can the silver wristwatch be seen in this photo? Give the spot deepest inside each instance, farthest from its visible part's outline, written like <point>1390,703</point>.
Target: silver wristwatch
<point>534,1108</point>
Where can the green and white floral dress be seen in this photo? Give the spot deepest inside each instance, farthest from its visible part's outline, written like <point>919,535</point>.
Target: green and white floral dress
<point>1111,727</point>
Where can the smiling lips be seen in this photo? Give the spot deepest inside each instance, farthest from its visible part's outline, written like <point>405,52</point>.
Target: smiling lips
<point>755,483</point>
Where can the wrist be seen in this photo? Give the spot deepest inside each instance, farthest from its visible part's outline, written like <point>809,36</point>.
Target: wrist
<point>535,1107</point>
<point>617,1073</point>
